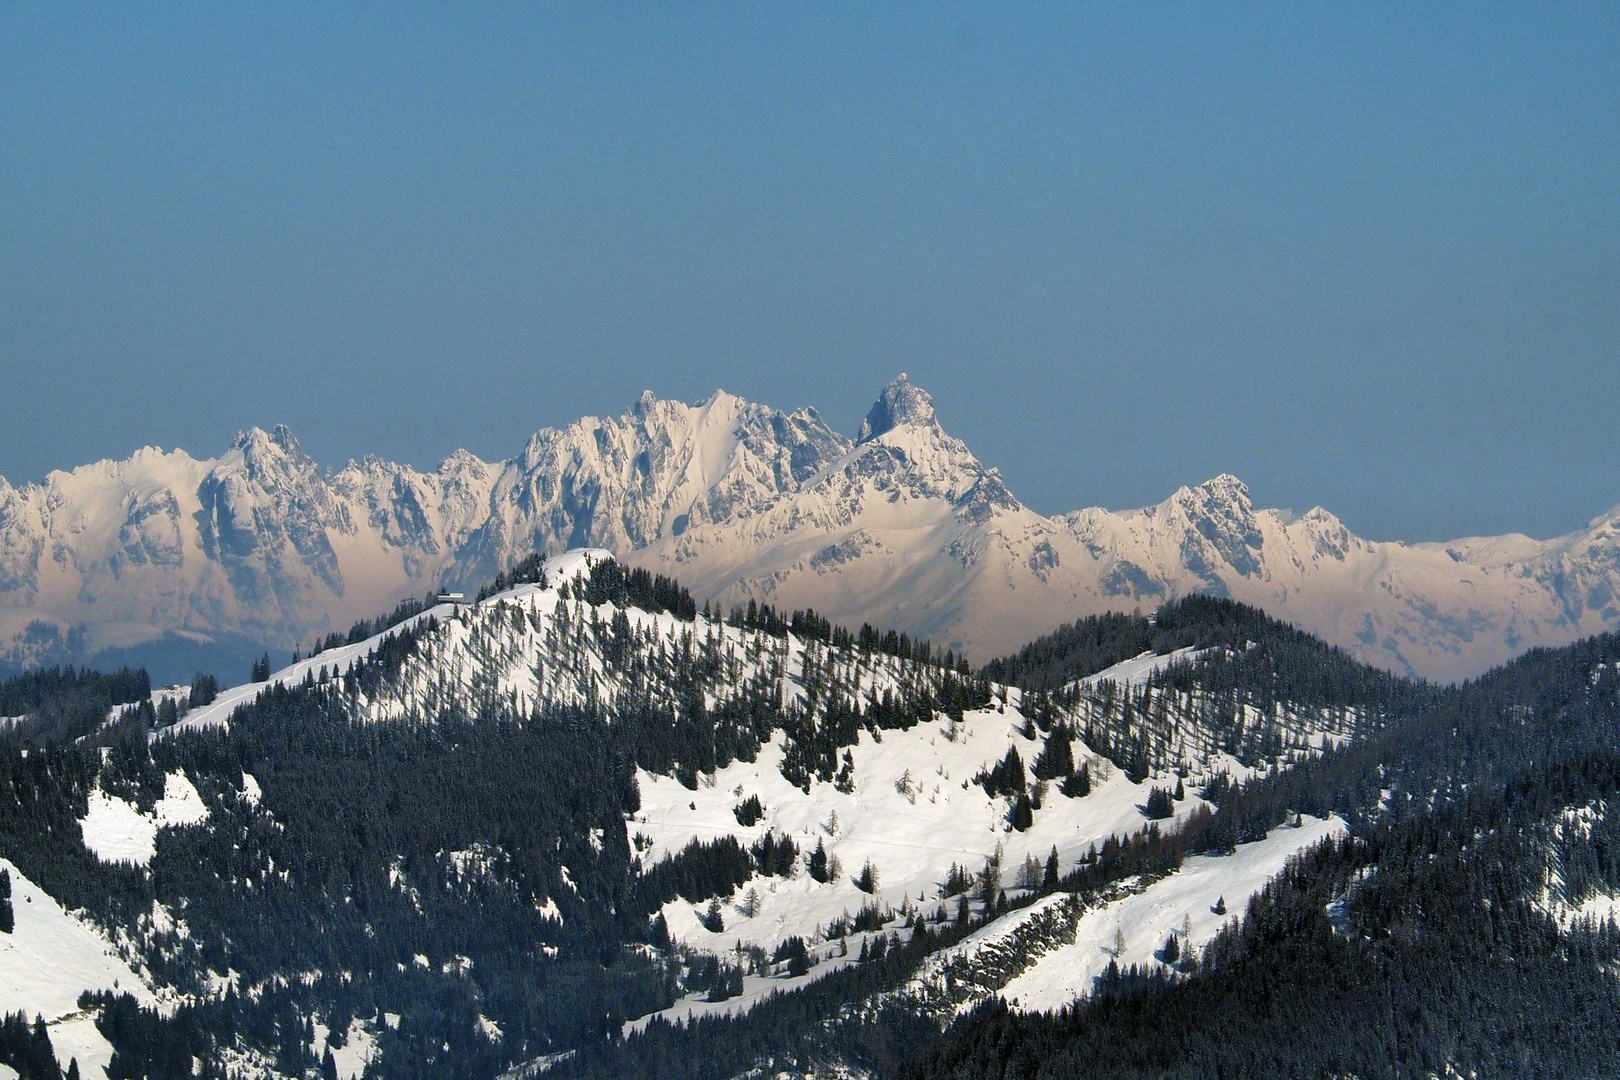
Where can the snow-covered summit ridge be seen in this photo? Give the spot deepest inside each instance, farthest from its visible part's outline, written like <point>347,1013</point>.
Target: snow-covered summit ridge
<point>900,526</point>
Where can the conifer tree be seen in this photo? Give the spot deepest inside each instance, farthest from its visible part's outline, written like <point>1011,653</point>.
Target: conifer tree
<point>990,879</point>
<point>1077,784</point>
<point>816,864</point>
<point>1022,815</point>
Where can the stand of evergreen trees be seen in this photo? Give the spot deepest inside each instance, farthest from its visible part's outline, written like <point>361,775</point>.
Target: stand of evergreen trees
<point>27,1048</point>
<point>489,840</point>
<point>63,703</point>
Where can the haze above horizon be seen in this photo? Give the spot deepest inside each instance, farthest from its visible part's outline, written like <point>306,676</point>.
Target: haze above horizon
<point>1362,260</point>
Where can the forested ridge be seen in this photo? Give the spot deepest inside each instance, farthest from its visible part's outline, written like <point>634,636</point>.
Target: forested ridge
<point>467,864</point>
<point>464,867</point>
<point>1429,940</point>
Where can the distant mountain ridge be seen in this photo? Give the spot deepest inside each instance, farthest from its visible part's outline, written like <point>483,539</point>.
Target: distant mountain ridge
<point>899,526</point>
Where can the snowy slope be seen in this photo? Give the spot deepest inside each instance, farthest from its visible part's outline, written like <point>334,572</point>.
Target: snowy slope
<point>48,961</point>
<point>1170,905</point>
<point>911,806</point>
<point>116,830</point>
<point>911,841</point>
<point>1045,956</point>
<point>900,526</point>
<point>1138,669</point>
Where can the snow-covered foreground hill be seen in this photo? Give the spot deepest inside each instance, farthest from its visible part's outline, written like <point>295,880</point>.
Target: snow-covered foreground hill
<point>496,834</point>
<point>907,801</point>
<point>900,526</point>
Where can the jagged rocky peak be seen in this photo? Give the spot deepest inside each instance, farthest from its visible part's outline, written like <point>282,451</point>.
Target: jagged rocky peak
<point>462,463</point>
<point>1605,521</point>
<point>748,437</point>
<point>256,440</point>
<point>1222,498</point>
<point>282,436</point>
<point>1224,491</point>
<point>900,403</point>
<point>272,451</point>
<point>1214,528</point>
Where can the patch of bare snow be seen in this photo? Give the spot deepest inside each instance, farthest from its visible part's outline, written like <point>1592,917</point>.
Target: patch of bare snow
<point>115,830</point>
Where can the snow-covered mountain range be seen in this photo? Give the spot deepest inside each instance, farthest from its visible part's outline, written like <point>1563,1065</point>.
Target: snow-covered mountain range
<point>900,526</point>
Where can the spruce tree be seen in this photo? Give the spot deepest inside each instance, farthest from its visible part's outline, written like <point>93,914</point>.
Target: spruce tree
<point>1077,784</point>
<point>816,864</point>
<point>1056,758</point>
<point>1021,816</point>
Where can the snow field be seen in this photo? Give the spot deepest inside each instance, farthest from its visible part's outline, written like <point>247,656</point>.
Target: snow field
<point>910,840</point>
<point>338,659</point>
<point>48,960</point>
<point>218,712</point>
<point>1554,899</point>
<point>359,1048</point>
<point>1140,668</point>
<point>1148,918</point>
<point>116,831</point>
<point>756,988</point>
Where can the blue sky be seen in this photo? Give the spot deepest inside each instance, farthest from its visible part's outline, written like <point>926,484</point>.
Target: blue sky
<point>1367,258</point>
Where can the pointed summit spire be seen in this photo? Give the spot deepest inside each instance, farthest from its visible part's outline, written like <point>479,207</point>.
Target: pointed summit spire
<point>282,436</point>
<point>1226,489</point>
<point>273,451</point>
<point>256,440</point>
<point>900,403</point>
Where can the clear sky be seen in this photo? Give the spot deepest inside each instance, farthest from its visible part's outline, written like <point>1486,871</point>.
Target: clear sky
<point>1367,258</point>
